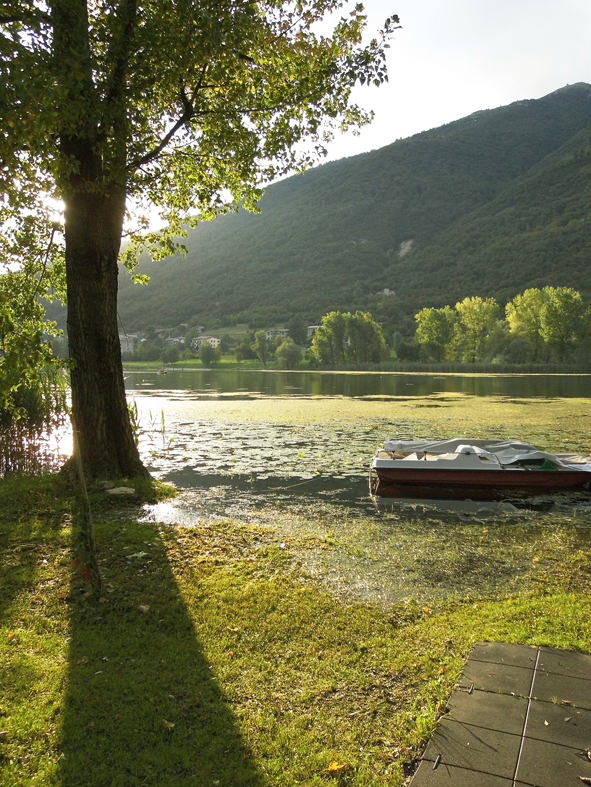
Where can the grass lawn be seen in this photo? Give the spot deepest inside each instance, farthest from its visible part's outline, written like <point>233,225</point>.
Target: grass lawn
<point>213,659</point>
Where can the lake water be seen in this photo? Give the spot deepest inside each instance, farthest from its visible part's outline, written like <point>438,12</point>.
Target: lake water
<point>287,453</point>
<point>244,384</point>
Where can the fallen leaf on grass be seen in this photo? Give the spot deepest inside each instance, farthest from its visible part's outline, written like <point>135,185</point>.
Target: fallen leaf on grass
<point>3,736</point>
<point>335,768</point>
<point>144,608</point>
<point>83,661</point>
<point>168,725</point>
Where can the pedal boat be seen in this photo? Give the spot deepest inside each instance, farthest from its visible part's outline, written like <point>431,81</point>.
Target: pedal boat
<point>475,469</point>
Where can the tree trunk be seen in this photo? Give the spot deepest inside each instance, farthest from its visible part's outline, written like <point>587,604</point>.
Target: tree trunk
<point>93,226</point>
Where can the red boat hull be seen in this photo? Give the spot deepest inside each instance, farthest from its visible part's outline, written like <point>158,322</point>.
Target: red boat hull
<point>475,484</point>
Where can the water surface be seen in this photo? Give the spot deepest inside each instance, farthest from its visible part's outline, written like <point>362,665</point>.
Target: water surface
<point>287,455</point>
<point>244,383</point>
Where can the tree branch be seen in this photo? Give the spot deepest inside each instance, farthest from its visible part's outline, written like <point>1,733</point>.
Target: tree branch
<point>45,261</point>
<point>34,15</point>
<point>120,49</point>
<point>188,113</point>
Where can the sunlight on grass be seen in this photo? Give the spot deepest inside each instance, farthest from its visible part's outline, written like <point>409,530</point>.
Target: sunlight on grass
<point>214,657</point>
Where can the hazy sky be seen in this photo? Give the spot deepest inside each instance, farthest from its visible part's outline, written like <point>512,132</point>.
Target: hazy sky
<point>454,57</point>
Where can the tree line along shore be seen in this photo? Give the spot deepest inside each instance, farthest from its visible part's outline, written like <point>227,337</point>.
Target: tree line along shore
<point>546,328</point>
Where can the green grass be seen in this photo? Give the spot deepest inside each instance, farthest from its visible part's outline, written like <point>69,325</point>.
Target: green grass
<point>212,658</point>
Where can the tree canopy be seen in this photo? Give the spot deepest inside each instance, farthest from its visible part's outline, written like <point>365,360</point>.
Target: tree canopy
<point>288,354</point>
<point>438,332</point>
<point>552,318</point>
<point>261,347</point>
<point>479,317</point>
<point>31,267</point>
<point>551,323</point>
<point>349,338</point>
<point>189,107</point>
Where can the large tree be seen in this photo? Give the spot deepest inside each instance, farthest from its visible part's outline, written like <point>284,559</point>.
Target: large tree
<point>349,338</point>
<point>438,332</point>
<point>113,105</point>
<point>552,318</point>
<point>524,315</point>
<point>478,319</point>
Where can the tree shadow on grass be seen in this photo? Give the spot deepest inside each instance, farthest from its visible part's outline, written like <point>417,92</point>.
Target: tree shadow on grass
<point>142,706</point>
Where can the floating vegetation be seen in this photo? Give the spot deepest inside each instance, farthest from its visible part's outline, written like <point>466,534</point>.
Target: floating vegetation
<point>295,469</point>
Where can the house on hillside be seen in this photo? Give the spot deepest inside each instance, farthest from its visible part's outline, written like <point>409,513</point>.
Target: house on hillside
<point>213,341</point>
<point>128,342</point>
<point>283,333</point>
<point>311,330</point>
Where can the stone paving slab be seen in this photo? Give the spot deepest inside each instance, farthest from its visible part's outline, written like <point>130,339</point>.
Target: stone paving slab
<point>501,712</point>
<point>487,676</point>
<point>505,653</point>
<point>463,744</point>
<point>550,687</point>
<point>550,765</point>
<point>575,664</point>
<point>519,716</point>
<point>557,723</point>
<point>450,776</point>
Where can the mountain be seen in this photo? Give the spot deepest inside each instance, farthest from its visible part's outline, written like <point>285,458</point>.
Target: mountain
<point>487,205</point>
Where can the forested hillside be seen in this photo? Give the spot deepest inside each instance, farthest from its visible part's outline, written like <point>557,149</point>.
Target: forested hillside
<point>493,203</point>
<point>536,232</point>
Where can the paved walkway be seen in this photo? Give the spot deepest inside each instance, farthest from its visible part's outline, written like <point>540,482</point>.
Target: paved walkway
<point>520,715</point>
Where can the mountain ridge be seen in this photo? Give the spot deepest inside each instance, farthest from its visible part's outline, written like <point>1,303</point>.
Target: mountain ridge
<point>329,238</point>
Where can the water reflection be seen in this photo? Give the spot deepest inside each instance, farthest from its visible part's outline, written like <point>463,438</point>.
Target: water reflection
<point>246,384</point>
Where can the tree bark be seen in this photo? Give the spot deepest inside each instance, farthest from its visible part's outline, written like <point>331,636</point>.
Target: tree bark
<point>93,226</point>
<point>93,189</point>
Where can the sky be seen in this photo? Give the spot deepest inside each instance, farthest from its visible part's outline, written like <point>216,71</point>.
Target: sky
<point>454,57</point>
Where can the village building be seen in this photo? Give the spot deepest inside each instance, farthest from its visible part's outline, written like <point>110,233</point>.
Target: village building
<point>213,341</point>
<point>128,342</point>
<point>283,333</point>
